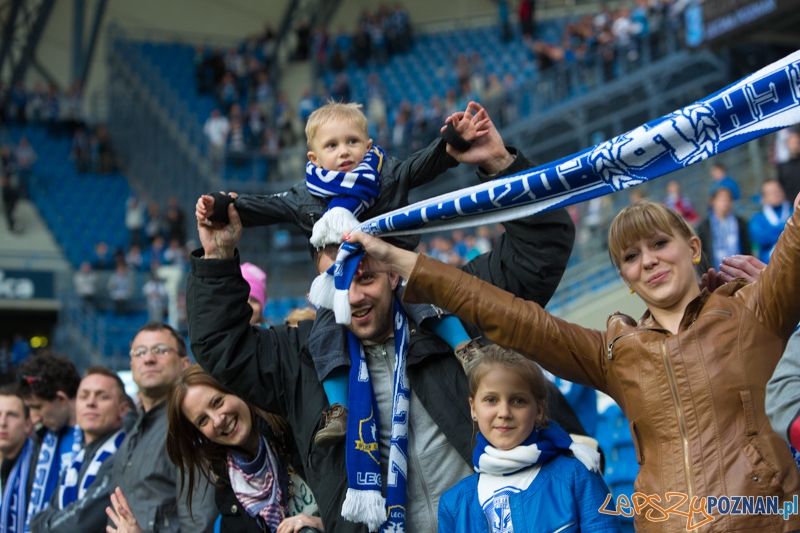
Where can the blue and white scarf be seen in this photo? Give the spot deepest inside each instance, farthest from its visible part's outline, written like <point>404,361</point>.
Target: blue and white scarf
<point>47,454</point>
<point>541,445</point>
<point>364,502</point>
<point>754,106</point>
<point>69,491</point>
<point>348,195</point>
<point>13,508</point>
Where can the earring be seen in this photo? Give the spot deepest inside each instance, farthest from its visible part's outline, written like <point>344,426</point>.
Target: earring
<point>631,291</point>
<point>696,260</point>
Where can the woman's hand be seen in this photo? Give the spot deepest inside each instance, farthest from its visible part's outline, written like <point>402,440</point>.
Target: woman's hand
<point>293,524</point>
<point>121,515</point>
<point>397,260</point>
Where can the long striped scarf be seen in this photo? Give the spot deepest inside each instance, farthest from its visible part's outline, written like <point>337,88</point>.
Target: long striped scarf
<point>363,501</point>
<point>69,491</point>
<point>759,104</point>
<point>259,484</point>
<point>14,506</point>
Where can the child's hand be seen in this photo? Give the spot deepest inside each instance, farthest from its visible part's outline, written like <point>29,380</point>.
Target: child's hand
<point>470,124</point>
<point>204,209</point>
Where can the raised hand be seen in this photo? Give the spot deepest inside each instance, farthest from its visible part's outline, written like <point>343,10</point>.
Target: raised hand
<point>219,240</point>
<point>203,209</point>
<point>121,515</point>
<point>488,150</point>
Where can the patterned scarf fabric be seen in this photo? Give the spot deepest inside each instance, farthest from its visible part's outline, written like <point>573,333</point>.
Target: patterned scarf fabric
<point>259,484</point>
<point>69,491</point>
<point>364,502</point>
<point>348,195</point>
<point>541,445</point>
<point>759,104</point>
<point>13,509</point>
<point>47,454</point>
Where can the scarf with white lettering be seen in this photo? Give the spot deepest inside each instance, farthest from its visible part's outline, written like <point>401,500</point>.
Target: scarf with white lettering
<point>348,195</point>
<point>364,502</point>
<point>759,104</point>
<point>69,491</point>
<point>47,454</point>
<point>13,509</point>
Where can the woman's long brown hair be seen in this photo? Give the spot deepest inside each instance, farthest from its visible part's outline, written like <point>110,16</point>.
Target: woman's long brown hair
<point>190,450</point>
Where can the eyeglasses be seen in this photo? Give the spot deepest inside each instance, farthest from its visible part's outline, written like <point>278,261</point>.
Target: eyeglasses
<point>30,379</point>
<point>158,349</point>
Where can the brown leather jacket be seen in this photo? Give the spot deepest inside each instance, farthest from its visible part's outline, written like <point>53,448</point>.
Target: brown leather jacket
<point>695,400</point>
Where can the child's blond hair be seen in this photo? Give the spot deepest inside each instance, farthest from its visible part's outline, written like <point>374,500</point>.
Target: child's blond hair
<point>351,112</point>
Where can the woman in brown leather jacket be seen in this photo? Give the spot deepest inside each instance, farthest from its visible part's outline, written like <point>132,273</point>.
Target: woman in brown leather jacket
<point>690,375</point>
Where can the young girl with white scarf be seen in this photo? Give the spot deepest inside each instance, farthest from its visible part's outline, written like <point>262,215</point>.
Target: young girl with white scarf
<point>530,475</point>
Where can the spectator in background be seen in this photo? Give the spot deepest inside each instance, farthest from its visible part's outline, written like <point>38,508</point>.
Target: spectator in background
<point>175,254</point>
<point>767,225</point>
<point>105,151</point>
<point>37,103</point>
<point>155,292</point>
<point>527,18</point>
<point>299,314</point>
<point>236,146</point>
<point>505,23</point>
<point>789,172</point>
<point>102,260</point>
<point>81,150</point>
<point>216,130</point>
<point>134,219</point>
<point>52,111</point>
<point>142,468</point>
<point>680,203</point>
<point>283,121</point>
<point>19,103</point>
<point>25,157</point>
<point>257,279</point>
<point>156,252</point>
<point>48,385</point>
<point>176,221</point>
<point>84,488</point>
<point>120,289</point>
<point>85,282</point>
<point>722,233</point>
<point>254,125</point>
<point>719,177</point>
<point>340,90</point>
<point>135,258</point>
<point>16,451</point>
<point>20,350</point>
<point>361,45</point>
<point>10,198</point>
<point>154,225</point>
<point>306,105</point>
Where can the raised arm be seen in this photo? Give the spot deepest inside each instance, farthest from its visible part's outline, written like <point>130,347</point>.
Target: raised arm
<point>773,297</point>
<point>244,358</point>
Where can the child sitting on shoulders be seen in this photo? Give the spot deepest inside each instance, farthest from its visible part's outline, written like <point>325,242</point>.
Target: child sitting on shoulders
<point>349,179</point>
<point>530,476</point>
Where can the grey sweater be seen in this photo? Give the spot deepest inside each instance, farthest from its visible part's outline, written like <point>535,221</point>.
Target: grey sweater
<point>783,394</point>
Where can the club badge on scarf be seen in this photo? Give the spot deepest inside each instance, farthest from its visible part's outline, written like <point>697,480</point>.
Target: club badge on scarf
<point>348,195</point>
<point>759,104</point>
<point>69,491</point>
<point>14,507</point>
<point>364,502</point>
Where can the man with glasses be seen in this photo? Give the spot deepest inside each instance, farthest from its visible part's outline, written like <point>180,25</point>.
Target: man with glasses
<point>149,481</point>
<point>48,384</point>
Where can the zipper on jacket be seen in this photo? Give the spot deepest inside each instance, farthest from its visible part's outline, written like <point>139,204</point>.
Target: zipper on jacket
<point>681,421</point>
<point>618,337</point>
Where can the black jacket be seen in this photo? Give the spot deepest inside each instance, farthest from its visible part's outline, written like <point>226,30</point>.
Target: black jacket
<point>272,368</point>
<point>707,240</point>
<point>299,207</point>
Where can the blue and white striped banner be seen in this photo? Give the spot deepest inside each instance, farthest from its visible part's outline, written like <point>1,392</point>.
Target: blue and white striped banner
<point>759,104</point>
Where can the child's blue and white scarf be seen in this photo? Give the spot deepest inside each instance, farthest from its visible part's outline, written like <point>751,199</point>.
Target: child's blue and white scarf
<point>348,195</point>
<point>541,445</point>
<point>14,507</point>
<point>754,106</point>
<point>364,502</point>
<point>69,491</point>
